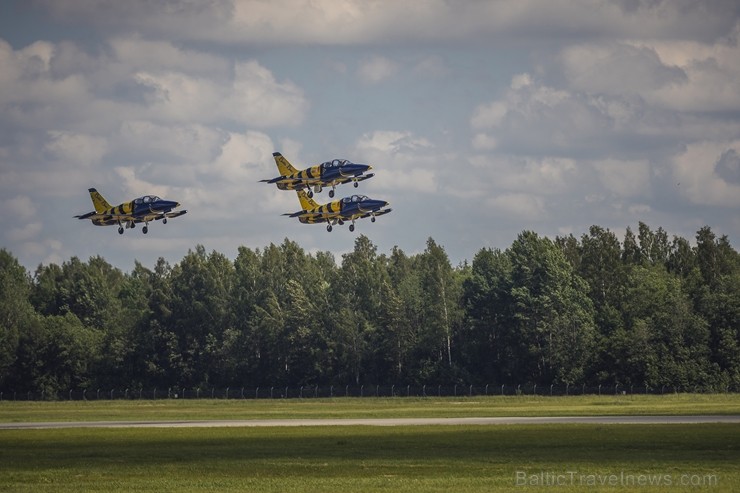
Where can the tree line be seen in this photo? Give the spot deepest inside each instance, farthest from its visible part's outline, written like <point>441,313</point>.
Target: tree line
<point>645,311</point>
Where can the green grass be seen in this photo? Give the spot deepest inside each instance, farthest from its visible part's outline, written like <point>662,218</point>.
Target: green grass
<point>673,404</point>
<point>369,459</point>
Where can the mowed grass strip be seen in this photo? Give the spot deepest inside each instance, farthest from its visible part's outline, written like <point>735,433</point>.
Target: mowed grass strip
<point>450,458</point>
<point>400,407</point>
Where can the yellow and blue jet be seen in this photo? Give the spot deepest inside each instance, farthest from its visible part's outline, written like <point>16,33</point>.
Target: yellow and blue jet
<point>142,210</point>
<point>339,211</point>
<point>327,174</point>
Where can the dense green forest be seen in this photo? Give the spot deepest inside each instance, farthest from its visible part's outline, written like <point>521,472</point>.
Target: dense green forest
<point>647,310</point>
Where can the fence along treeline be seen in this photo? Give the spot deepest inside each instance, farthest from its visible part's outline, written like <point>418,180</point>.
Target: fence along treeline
<point>644,312</point>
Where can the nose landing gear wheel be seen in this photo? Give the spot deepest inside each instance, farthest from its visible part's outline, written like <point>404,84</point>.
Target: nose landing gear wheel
<point>351,227</point>
<point>331,194</point>
<point>164,221</point>
<point>328,228</point>
<point>120,230</point>
<point>145,229</point>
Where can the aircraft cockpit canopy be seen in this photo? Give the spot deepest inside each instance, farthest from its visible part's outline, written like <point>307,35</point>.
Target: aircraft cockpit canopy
<point>354,199</point>
<point>335,163</point>
<point>147,199</point>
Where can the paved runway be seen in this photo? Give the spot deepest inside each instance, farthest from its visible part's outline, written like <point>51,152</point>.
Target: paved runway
<point>604,420</point>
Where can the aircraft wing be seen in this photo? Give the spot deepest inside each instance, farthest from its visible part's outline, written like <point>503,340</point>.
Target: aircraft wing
<point>376,214</point>
<point>106,217</point>
<point>170,215</point>
<point>314,215</point>
<point>364,177</point>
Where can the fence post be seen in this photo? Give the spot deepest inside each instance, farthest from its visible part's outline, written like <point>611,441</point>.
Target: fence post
<point>286,391</point>
<point>439,391</point>
<point>471,391</point>
<point>424,390</point>
<point>599,389</point>
<point>70,394</point>
<point>534,389</point>
<point>486,389</point>
<point>227,392</point>
<point>242,392</point>
<point>346,391</point>
<point>331,391</point>
<point>408,390</point>
<point>271,392</point>
<point>616,389</point>
<point>257,393</point>
<point>502,389</point>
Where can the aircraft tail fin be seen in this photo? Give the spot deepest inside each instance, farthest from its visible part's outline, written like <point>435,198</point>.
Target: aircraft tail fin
<point>307,202</point>
<point>284,166</point>
<point>101,205</point>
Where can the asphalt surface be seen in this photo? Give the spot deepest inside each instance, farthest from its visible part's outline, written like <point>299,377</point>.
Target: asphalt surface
<point>604,420</point>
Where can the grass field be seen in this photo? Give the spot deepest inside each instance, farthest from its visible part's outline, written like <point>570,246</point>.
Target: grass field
<point>400,407</point>
<point>340,459</point>
<point>572,457</point>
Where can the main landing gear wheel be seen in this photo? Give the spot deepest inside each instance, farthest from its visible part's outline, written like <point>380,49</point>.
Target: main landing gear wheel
<point>351,227</point>
<point>372,219</point>
<point>120,230</point>
<point>310,193</point>
<point>145,229</point>
<point>356,184</point>
<point>328,228</point>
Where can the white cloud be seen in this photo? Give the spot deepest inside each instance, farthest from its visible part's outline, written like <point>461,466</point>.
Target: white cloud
<point>624,178</point>
<point>71,147</point>
<point>488,115</point>
<point>408,162</point>
<point>377,69</point>
<point>695,172</point>
<point>603,69</point>
<point>539,176</point>
<point>519,205</point>
<point>346,22</point>
<point>20,208</point>
<point>24,232</point>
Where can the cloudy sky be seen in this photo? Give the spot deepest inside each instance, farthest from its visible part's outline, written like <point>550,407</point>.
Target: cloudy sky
<point>481,119</point>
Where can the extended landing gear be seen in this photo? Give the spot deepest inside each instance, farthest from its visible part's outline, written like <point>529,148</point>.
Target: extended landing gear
<point>372,219</point>
<point>331,193</point>
<point>351,227</point>
<point>164,221</point>
<point>328,228</point>
<point>145,229</point>
<point>356,184</point>
<point>120,230</point>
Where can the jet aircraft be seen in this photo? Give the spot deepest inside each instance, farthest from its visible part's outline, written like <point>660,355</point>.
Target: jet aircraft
<point>327,174</point>
<point>142,210</point>
<point>339,211</point>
